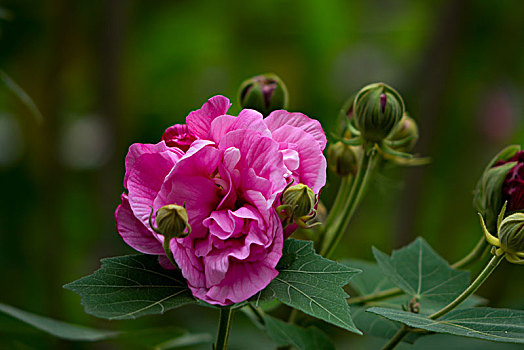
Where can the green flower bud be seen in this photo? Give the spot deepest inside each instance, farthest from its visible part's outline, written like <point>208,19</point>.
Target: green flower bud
<point>264,93</point>
<point>301,199</point>
<point>172,221</point>
<point>378,108</point>
<point>342,159</point>
<point>487,198</point>
<point>511,233</point>
<point>405,135</point>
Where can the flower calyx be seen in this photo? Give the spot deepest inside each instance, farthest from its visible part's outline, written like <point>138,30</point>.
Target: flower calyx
<point>510,236</point>
<point>298,205</point>
<point>264,93</point>
<point>343,159</point>
<point>491,192</point>
<point>172,221</point>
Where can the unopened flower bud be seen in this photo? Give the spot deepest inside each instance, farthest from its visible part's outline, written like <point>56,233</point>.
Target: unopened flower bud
<point>264,93</point>
<point>489,193</point>
<point>301,199</point>
<point>405,135</point>
<point>342,159</point>
<point>172,221</point>
<point>511,233</point>
<point>377,110</point>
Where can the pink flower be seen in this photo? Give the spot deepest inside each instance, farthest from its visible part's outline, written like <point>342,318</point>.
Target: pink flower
<point>230,172</point>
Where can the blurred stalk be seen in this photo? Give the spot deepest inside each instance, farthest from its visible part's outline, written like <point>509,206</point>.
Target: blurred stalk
<point>51,172</point>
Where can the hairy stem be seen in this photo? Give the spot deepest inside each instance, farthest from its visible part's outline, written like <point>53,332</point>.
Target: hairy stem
<point>473,287</point>
<point>224,326</point>
<point>335,231</point>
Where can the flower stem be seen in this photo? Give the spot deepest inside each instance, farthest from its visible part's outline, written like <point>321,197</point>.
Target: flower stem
<point>335,231</point>
<point>343,193</point>
<point>167,250</point>
<point>481,278</point>
<point>224,326</point>
<point>397,338</point>
<point>473,287</point>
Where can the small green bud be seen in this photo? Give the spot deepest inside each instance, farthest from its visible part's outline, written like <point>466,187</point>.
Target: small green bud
<point>378,108</point>
<point>511,233</point>
<point>342,159</point>
<point>300,198</point>
<point>487,198</point>
<point>172,221</point>
<point>264,93</point>
<point>405,135</point>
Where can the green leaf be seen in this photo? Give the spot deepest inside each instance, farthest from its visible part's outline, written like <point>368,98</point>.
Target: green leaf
<point>284,333</point>
<point>421,273</point>
<point>500,325</point>
<point>313,285</point>
<point>372,280</point>
<point>57,328</point>
<point>131,286</point>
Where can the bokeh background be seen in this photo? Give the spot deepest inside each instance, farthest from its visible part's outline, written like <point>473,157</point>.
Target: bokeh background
<point>105,74</point>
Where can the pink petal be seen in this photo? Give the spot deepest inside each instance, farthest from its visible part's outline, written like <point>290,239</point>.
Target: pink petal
<point>190,182</point>
<point>312,167</point>
<point>199,121</point>
<point>133,232</point>
<point>179,136</point>
<point>279,118</point>
<point>145,179</point>
<point>247,119</point>
<point>136,150</point>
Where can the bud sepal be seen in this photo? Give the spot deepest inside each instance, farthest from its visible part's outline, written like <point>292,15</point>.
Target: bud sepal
<point>298,206</point>
<point>172,222</point>
<point>509,240</point>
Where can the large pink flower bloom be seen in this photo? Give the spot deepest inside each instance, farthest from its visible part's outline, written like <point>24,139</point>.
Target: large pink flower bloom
<point>230,172</point>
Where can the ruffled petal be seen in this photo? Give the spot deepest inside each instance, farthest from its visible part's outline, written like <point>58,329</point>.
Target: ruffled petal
<point>145,178</point>
<point>199,121</point>
<point>279,118</point>
<point>133,231</point>
<point>312,163</point>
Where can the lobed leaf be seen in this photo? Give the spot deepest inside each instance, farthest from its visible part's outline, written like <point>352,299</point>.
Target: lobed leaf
<point>421,273</point>
<point>131,286</point>
<point>313,284</point>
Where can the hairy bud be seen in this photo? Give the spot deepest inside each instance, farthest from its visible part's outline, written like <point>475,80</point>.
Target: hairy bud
<point>377,110</point>
<point>264,93</point>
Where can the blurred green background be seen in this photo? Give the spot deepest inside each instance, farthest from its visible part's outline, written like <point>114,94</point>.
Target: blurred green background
<point>106,74</point>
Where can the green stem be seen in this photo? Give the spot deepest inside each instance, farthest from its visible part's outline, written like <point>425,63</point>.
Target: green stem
<point>473,287</point>
<point>335,231</point>
<point>167,250</point>
<point>481,278</point>
<point>473,256</point>
<point>381,295</point>
<point>343,193</point>
<point>224,326</point>
<point>397,338</point>
<point>258,314</point>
